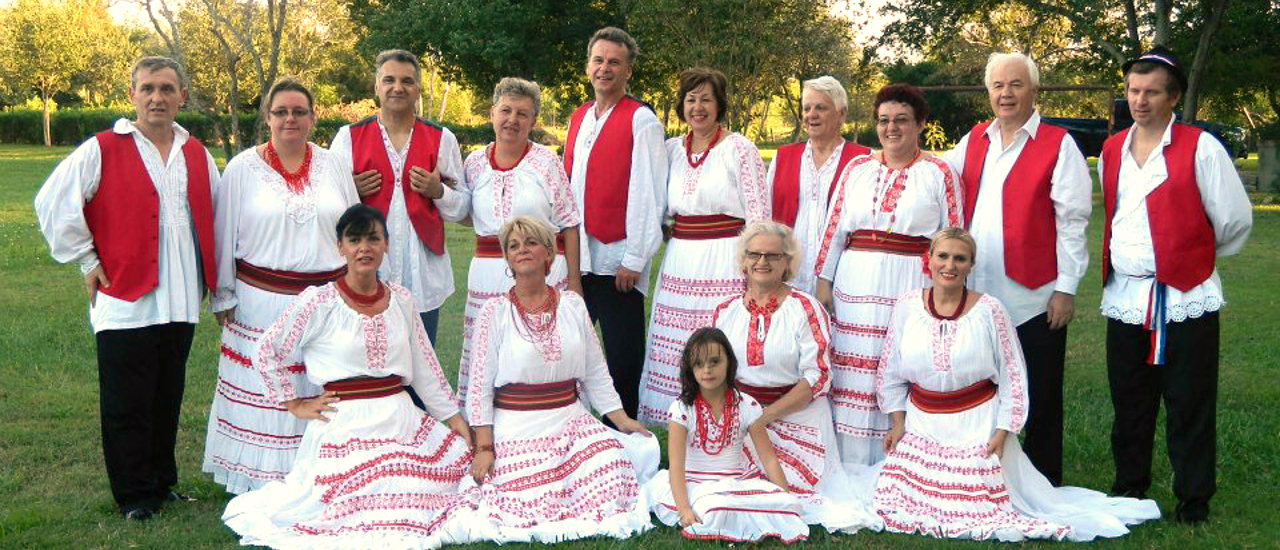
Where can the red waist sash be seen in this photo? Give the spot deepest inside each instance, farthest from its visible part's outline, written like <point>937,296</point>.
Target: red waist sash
<point>487,246</point>
<point>889,243</point>
<point>701,228</point>
<point>765,395</point>
<point>536,397</point>
<point>947,402</point>
<point>365,388</point>
<point>283,282</point>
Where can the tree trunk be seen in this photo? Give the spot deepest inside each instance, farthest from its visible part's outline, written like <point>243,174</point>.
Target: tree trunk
<point>444,102</point>
<point>44,98</point>
<point>1213,20</point>
<point>1162,11</point>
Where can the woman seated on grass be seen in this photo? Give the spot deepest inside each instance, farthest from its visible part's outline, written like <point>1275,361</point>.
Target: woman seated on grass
<point>712,491</point>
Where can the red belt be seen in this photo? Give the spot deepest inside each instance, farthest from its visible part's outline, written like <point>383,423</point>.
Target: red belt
<point>536,397</point>
<point>283,282</point>
<point>489,247</point>
<point>701,228</point>
<point>887,242</point>
<point>365,387</point>
<point>765,395</point>
<point>947,402</point>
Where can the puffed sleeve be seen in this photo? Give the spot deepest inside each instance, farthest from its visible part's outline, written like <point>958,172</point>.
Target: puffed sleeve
<point>680,413</point>
<point>751,183</point>
<point>1011,373</point>
<point>484,364</point>
<point>340,147</point>
<point>646,191</point>
<point>226,223</point>
<point>949,195</point>
<point>455,203</point>
<point>563,205</point>
<point>815,345</point>
<point>286,339</point>
<point>59,206</point>
<point>891,385</point>
<point>834,233</point>
<point>749,410</point>
<point>1223,195</point>
<point>428,379</point>
<point>596,383</point>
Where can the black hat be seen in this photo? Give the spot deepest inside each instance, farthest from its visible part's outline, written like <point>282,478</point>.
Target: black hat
<point>1161,55</point>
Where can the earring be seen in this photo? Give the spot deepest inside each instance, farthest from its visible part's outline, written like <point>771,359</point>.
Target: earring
<point>510,275</point>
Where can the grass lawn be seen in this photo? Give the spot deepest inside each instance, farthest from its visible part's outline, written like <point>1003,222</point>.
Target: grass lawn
<point>54,493</point>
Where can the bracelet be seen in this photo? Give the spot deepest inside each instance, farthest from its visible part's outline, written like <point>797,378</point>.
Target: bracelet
<point>484,448</point>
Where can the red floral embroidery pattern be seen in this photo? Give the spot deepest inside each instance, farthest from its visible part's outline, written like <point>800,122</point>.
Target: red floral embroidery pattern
<point>834,218</point>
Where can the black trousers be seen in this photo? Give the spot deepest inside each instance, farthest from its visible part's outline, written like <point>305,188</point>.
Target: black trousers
<point>141,374</point>
<point>1046,353</point>
<point>1188,384</point>
<point>621,318</point>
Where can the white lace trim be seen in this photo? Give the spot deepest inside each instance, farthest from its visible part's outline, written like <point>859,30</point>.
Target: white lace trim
<point>1177,313</point>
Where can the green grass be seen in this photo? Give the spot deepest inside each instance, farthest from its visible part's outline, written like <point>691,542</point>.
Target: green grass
<point>54,493</point>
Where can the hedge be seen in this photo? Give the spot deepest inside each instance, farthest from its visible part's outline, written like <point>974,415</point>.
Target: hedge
<point>73,126</point>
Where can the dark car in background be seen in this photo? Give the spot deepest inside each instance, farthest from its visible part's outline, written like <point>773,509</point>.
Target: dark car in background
<point>1090,133</point>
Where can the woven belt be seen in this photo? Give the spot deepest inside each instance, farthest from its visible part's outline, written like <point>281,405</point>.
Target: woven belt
<point>365,388</point>
<point>536,397</point>
<point>947,402</point>
<point>701,228</point>
<point>283,282</point>
<point>765,395</point>
<point>487,246</point>
<point>889,243</point>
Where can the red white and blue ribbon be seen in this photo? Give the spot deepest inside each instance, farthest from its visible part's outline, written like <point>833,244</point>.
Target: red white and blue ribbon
<point>1157,322</point>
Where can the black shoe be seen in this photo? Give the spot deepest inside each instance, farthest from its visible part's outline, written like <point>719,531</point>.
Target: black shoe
<point>137,512</point>
<point>178,497</point>
<point>1131,493</point>
<point>1191,513</point>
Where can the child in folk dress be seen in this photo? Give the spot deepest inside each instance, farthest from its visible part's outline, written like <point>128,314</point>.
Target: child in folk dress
<point>713,490</point>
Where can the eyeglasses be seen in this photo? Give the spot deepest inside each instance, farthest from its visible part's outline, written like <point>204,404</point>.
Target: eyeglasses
<point>284,113</point>
<point>770,257</point>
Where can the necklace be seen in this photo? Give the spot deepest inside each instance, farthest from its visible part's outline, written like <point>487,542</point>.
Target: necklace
<point>706,421</point>
<point>493,157</point>
<point>295,181</point>
<point>757,333</point>
<point>688,148</point>
<point>362,300</point>
<point>536,319</point>
<point>933,310</point>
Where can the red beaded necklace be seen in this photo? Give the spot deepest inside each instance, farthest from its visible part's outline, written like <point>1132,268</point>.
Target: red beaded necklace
<point>933,310</point>
<point>493,157</point>
<point>362,300</point>
<point>688,148</point>
<point>534,318</point>
<point>295,181</point>
<point>706,420</point>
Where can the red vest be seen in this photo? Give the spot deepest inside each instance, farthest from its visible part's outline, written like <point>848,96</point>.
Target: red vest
<point>368,152</point>
<point>127,243</point>
<point>786,178</point>
<point>608,178</point>
<point>1030,234</point>
<point>1181,232</point>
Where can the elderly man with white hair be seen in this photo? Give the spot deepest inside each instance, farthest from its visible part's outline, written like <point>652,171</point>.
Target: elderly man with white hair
<point>803,175</point>
<point>1027,199</point>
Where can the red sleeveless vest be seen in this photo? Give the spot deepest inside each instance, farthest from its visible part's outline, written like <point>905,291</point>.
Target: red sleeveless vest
<point>368,152</point>
<point>786,178</point>
<point>608,177</point>
<point>1181,233</point>
<point>1030,234</point>
<point>127,242</point>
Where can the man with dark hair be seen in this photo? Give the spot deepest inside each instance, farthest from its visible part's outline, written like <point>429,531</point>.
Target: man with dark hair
<point>1174,203</point>
<point>616,160</point>
<point>134,206</point>
<point>407,168</point>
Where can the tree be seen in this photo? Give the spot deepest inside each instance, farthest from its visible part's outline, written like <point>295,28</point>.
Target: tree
<point>42,48</point>
<point>1111,29</point>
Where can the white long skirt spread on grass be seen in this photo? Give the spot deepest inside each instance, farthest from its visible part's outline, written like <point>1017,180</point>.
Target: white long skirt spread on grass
<point>250,440</point>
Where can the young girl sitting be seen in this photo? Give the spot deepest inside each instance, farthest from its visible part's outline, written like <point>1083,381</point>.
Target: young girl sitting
<point>713,491</point>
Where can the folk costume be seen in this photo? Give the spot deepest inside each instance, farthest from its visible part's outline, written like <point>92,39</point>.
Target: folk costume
<point>1027,206</point>
<point>380,473</point>
<point>536,187</point>
<point>801,193</point>
<point>958,380</point>
<point>1167,221</point>
<point>146,218</point>
<point>873,249</point>
<point>617,167</point>
<point>558,474</point>
<point>275,239</point>
<point>779,343</point>
<point>417,258</point>
<point>725,488</point>
<point>711,197</point>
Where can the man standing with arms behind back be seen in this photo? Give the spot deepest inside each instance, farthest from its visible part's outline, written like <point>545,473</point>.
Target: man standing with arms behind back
<point>1174,202</point>
<point>134,206</point>
<point>617,165</point>
<point>1027,200</point>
